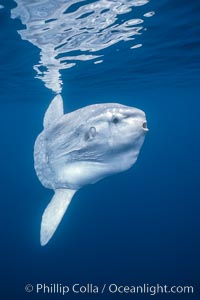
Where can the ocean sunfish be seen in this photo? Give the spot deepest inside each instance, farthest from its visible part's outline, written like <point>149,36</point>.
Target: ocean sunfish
<point>83,147</point>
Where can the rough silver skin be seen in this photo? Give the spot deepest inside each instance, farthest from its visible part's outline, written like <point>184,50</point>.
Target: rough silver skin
<point>83,147</point>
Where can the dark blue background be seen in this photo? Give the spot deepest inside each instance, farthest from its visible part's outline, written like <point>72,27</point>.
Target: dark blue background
<point>141,226</point>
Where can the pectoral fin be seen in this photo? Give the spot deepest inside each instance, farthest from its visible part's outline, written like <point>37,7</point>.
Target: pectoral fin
<point>53,214</point>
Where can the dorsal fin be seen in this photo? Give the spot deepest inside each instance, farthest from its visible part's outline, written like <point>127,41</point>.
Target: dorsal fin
<point>54,111</point>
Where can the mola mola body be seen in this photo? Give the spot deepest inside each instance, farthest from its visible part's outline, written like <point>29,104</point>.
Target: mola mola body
<point>83,147</point>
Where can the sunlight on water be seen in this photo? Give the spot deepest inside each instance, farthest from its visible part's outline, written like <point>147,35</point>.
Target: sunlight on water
<point>71,31</point>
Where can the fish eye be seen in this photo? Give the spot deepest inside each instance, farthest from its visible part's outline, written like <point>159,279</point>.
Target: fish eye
<point>115,119</point>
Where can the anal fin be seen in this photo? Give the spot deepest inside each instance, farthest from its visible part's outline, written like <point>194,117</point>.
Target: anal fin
<point>54,213</point>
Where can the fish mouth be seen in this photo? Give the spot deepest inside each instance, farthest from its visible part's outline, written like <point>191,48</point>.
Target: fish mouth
<point>144,126</point>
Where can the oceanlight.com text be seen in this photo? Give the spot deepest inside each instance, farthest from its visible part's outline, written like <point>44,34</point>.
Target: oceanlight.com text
<point>111,288</point>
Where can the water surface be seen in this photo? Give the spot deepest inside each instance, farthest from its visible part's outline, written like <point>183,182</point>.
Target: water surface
<point>141,226</point>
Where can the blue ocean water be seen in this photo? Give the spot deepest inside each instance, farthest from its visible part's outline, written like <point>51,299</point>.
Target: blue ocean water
<point>140,226</point>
